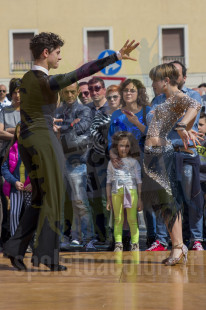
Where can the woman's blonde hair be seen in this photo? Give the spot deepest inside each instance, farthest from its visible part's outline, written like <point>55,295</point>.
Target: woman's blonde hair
<point>160,72</point>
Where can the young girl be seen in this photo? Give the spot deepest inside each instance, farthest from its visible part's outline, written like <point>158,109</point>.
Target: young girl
<point>124,188</point>
<point>17,186</point>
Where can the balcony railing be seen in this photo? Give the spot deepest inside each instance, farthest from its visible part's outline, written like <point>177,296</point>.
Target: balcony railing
<point>21,66</point>
<point>166,59</point>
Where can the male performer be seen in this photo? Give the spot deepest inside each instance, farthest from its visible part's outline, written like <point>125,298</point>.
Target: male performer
<point>41,152</point>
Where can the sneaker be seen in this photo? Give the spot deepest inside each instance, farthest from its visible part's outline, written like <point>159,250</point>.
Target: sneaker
<point>75,243</point>
<point>90,247</point>
<point>134,247</point>
<point>118,247</point>
<point>109,245</point>
<point>157,246</point>
<point>65,244</point>
<point>197,246</point>
<point>29,249</point>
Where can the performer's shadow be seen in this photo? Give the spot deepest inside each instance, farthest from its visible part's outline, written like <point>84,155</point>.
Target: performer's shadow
<point>5,267</point>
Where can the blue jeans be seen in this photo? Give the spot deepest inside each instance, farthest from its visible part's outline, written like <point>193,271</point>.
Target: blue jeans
<point>77,187</point>
<point>161,231</point>
<point>192,218</point>
<point>150,221</point>
<point>155,226</point>
<point>203,186</point>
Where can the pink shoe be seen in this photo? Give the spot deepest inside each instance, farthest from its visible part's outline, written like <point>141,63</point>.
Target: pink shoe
<point>197,246</point>
<point>157,246</point>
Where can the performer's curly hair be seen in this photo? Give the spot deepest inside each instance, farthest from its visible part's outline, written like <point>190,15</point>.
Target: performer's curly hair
<point>44,40</point>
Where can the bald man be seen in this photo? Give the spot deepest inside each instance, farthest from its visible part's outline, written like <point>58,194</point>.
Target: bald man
<point>77,119</point>
<point>4,101</point>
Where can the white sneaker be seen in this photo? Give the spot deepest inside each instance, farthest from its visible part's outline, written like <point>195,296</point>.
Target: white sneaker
<point>75,243</point>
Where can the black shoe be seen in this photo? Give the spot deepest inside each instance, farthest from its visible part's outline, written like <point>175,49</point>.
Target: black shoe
<point>52,267</point>
<point>17,263</point>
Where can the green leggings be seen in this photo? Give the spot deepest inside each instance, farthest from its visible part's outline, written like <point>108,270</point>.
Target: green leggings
<point>117,202</point>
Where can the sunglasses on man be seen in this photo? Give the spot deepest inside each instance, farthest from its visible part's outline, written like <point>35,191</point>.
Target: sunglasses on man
<point>85,93</point>
<point>2,91</point>
<point>94,88</point>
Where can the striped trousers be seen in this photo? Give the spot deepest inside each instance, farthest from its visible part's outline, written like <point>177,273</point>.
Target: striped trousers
<point>17,201</point>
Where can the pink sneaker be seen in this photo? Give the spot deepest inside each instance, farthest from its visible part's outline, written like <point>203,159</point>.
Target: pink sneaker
<point>197,246</point>
<point>157,246</point>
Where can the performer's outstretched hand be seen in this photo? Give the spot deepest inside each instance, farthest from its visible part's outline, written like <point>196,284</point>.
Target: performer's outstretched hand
<point>185,137</point>
<point>127,49</point>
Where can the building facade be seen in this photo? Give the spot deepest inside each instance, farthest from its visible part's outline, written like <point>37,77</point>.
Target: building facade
<point>166,30</point>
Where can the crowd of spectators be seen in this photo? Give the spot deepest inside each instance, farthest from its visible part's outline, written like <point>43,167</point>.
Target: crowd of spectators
<point>90,115</point>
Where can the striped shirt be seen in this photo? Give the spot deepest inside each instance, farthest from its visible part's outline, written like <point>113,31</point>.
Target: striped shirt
<point>99,131</point>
